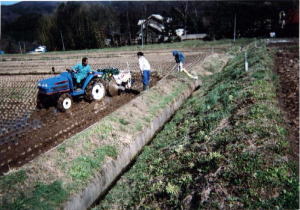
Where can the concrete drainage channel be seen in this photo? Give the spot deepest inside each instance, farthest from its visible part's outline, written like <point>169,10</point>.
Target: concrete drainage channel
<point>100,183</point>
<point>83,167</point>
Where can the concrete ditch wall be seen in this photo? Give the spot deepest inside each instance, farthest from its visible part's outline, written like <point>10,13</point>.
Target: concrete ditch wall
<point>113,168</point>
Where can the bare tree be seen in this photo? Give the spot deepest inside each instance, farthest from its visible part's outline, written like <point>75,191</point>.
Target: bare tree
<point>128,24</point>
<point>185,16</point>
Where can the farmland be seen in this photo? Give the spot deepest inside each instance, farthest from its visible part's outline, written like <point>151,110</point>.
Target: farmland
<point>228,145</point>
<point>26,132</point>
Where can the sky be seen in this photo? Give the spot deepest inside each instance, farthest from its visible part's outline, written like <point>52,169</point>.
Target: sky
<point>8,2</point>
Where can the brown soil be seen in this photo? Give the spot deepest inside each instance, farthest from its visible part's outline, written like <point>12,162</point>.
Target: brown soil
<point>287,67</point>
<point>47,128</point>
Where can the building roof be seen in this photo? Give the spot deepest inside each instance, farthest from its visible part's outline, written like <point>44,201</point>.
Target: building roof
<point>140,22</point>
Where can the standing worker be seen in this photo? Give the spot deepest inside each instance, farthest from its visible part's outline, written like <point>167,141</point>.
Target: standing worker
<point>179,58</point>
<point>81,70</point>
<point>145,70</point>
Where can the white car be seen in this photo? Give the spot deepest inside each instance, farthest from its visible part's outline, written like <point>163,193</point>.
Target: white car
<point>40,49</point>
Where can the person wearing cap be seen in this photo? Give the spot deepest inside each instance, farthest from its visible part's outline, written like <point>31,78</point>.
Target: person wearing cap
<point>145,70</point>
<point>179,58</point>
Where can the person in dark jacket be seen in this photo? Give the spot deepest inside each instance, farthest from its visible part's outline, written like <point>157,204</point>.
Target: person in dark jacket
<point>179,58</point>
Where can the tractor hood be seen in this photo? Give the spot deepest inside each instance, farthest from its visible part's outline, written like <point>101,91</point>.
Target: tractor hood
<point>55,84</point>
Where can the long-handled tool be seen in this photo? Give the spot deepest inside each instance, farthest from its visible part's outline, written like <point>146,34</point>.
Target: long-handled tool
<point>189,75</point>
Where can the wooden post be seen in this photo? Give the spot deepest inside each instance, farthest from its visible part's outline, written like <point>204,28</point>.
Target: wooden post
<point>246,62</point>
<point>234,30</point>
<point>62,40</point>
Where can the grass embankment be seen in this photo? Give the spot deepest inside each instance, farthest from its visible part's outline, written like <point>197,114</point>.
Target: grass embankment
<point>51,195</point>
<point>178,45</point>
<point>225,148</point>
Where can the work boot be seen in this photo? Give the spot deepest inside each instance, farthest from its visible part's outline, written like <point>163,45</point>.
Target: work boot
<point>146,87</point>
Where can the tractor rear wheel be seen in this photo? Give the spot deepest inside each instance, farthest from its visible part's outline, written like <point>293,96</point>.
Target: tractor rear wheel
<point>95,90</point>
<point>64,102</point>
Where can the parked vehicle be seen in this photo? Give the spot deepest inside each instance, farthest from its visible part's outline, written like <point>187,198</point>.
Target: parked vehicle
<point>38,50</point>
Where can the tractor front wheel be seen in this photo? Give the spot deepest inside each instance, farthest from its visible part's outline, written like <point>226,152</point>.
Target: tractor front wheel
<point>43,101</point>
<point>95,91</point>
<point>40,101</point>
<point>64,102</point>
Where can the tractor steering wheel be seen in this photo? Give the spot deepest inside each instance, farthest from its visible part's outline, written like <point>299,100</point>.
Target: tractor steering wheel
<point>71,71</point>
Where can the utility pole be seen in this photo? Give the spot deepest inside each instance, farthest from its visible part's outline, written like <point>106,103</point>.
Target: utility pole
<point>142,35</point>
<point>20,48</point>
<point>62,40</point>
<point>234,30</point>
<point>128,24</point>
<point>0,20</point>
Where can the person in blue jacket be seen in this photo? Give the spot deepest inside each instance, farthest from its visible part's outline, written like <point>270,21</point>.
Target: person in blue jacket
<point>179,58</point>
<point>81,70</point>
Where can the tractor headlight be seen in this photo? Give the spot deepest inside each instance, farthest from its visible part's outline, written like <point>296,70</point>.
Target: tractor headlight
<point>43,85</point>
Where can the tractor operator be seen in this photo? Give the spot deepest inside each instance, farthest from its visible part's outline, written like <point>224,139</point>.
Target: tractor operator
<point>81,70</point>
<point>179,58</point>
<point>145,70</point>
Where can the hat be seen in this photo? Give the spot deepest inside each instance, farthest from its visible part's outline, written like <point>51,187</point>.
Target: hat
<point>140,54</point>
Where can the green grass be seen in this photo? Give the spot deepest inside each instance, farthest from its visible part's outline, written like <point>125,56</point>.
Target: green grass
<point>183,44</point>
<point>83,167</point>
<point>50,196</point>
<point>13,179</point>
<point>124,122</point>
<point>42,197</point>
<point>226,147</point>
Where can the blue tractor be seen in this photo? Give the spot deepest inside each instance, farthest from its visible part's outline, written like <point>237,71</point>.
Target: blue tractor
<point>61,90</point>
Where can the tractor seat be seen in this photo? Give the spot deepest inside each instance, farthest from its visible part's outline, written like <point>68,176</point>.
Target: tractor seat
<point>78,89</point>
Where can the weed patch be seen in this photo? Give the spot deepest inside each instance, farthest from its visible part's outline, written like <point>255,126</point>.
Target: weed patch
<point>11,180</point>
<point>83,167</point>
<point>225,147</point>
<point>42,197</point>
